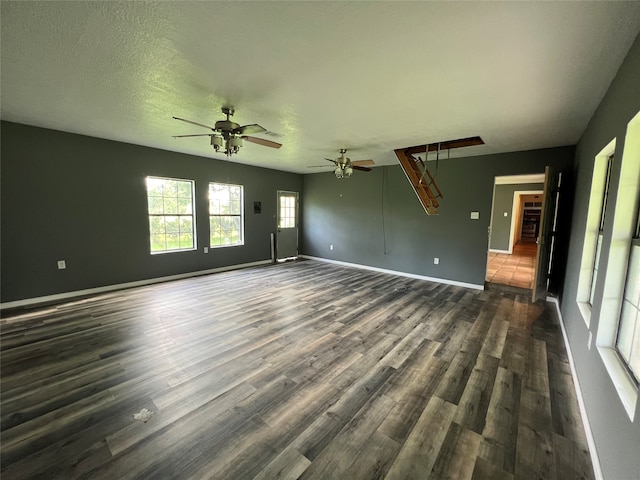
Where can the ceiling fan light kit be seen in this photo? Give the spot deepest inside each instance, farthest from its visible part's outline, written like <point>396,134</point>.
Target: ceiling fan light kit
<point>228,135</point>
<point>344,167</point>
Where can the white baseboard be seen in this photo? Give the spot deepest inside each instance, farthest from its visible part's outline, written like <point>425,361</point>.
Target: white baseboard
<point>494,250</point>
<point>583,411</point>
<point>394,272</point>
<point>109,288</point>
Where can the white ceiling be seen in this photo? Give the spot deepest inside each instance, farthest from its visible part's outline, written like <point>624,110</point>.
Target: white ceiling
<point>369,76</point>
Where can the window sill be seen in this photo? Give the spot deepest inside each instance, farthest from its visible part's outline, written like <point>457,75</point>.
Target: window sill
<point>163,252</point>
<point>625,386</point>
<point>585,311</point>
<point>227,246</point>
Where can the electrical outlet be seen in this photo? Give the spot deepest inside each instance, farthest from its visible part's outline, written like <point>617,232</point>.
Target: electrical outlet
<point>436,260</point>
<point>62,264</point>
<point>330,247</point>
<point>506,214</point>
<point>475,215</point>
<point>589,342</point>
<point>206,249</point>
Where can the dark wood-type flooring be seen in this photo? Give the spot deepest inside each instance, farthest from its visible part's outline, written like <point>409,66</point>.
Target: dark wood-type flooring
<point>301,370</point>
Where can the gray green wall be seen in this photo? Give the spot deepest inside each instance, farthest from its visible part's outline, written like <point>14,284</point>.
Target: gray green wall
<point>617,438</point>
<point>83,199</point>
<point>503,202</point>
<point>375,218</point>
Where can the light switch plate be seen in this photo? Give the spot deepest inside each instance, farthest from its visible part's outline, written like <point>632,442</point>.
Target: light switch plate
<point>475,215</point>
<point>62,264</point>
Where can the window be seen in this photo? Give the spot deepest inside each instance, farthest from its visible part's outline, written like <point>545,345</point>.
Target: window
<point>287,211</point>
<point>617,338</point>
<point>171,220</point>
<point>226,211</point>
<point>588,277</point>
<point>603,209</point>
<point>628,338</point>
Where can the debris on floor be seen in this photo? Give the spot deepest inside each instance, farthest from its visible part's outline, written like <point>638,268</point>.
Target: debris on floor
<point>143,415</point>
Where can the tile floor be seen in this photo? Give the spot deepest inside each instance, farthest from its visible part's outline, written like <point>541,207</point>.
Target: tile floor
<point>515,270</point>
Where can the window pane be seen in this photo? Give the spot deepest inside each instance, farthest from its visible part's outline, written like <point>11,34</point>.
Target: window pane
<point>156,225</point>
<point>594,275</point>
<point>158,243</point>
<point>170,188</point>
<point>170,206</point>
<point>287,211</point>
<point>185,224</point>
<point>172,224</point>
<point>173,241</point>
<point>156,205</point>
<point>628,339</point>
<point>634,361</point>
<point>625,334</point>
<point>184,190</point>
<point>154,187</point>
<point>632,289</point>
<point>186,240</point>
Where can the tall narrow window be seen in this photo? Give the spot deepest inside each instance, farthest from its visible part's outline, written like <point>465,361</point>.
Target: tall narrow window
<point>226,215</point>
<point>171,219</point>
<point>618,334</point>
<point>593,234</point>
<point>603,208</point>
<point>628,338</point>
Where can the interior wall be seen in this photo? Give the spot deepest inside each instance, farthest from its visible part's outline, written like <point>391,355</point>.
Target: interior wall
<point>375,218</point>
<point>83,200</point>
<point>503,202</point>
<point>616,437</point>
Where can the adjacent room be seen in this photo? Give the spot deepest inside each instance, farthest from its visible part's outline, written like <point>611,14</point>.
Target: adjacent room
<point>321,240</point>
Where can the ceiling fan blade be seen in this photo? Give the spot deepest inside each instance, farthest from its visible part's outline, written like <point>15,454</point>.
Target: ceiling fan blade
<point>362,163</point>
<point>332,161</point>
<point>319,166</point>
<point>194,123</point>
<point>362,169</point>
<point>253,128</point>
<point>194,135</point>
<point>261,141</point>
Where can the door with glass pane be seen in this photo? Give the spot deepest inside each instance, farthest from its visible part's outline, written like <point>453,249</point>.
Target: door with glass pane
<point>287,236</point>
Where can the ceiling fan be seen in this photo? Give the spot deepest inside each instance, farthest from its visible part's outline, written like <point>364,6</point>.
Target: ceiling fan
<point>344,165</point>
<point>229,135</point>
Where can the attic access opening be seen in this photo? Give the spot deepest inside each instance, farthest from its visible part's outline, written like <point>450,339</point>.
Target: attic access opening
<point>419,176</point>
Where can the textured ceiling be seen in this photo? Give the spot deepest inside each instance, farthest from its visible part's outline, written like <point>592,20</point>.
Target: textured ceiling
<point>368,76</point>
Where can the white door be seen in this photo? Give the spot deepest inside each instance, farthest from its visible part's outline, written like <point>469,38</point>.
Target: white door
<point>287,236</point>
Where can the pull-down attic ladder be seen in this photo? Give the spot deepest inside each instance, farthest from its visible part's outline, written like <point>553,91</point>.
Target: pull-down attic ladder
<point>423,183</point>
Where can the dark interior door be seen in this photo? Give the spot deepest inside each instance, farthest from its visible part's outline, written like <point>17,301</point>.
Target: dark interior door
<point>546,234</point>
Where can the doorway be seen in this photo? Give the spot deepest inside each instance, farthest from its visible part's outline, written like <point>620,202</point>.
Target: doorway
<point>287,233</point>
<point>515,224</point>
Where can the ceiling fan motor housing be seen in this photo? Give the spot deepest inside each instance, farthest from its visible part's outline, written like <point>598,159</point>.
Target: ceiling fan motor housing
<point>226,127</point>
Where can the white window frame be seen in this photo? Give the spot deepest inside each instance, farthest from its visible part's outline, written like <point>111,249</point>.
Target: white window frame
<point>631,305</point>
<point>592,231</point>
<point>615,272</point>
<point>239,215</point>
<point>177,214</point>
